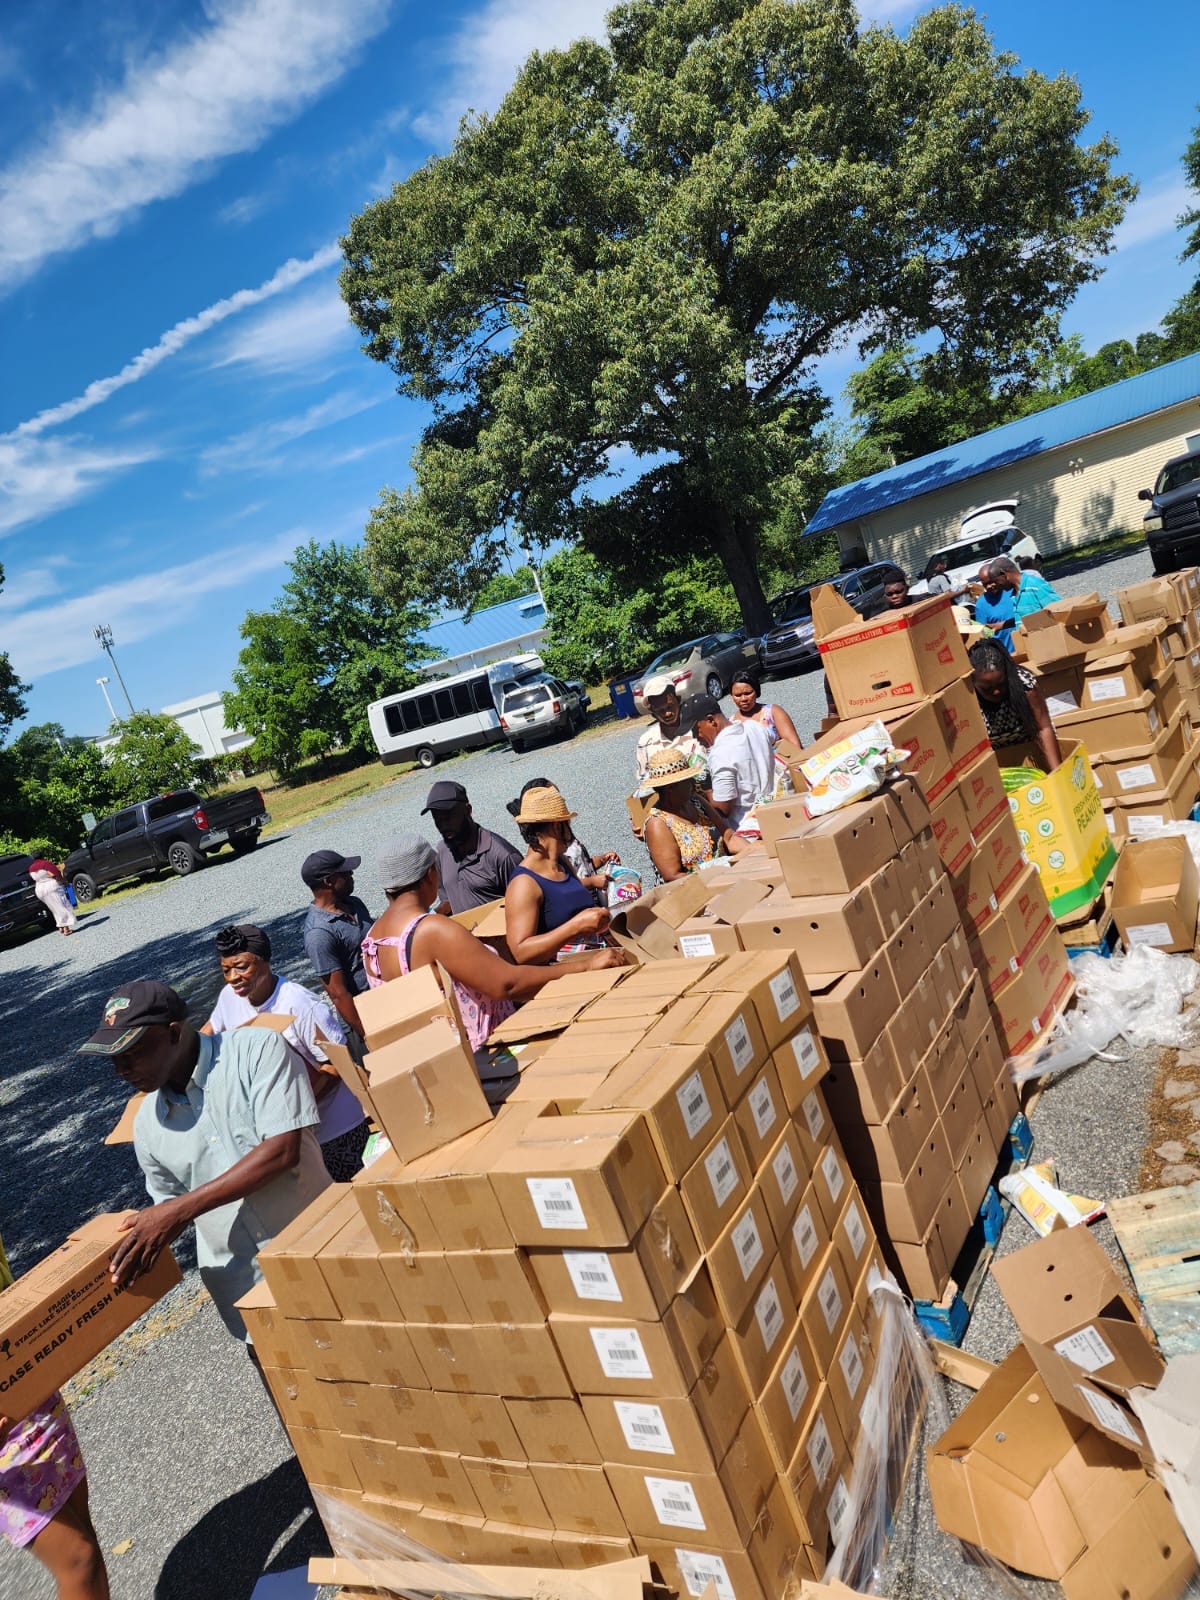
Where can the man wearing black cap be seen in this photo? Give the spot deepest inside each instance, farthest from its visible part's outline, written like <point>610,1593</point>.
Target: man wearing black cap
<point>740,762</point>
<point>335,926</point>
<point>225,1138</point>
<point>474,864</point>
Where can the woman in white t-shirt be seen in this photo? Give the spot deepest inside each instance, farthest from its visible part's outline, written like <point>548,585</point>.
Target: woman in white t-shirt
<point>253,989</point>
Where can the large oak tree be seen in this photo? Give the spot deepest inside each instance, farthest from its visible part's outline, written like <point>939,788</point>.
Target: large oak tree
<point>614,292</point>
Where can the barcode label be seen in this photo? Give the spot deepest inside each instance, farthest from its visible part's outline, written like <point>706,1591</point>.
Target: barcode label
<point>675,1504</point>
<point>805,1236</point>
<point>786,1175</point>
<point>808,1057</point>
<point>856,1230</point>
<point>830,1297</point>
<point>1087,1349</point>
<point>737,1037</point>
<point>839,1506</point>
<point>693,1104</point>
<point>621,1353</point>
<point>699,1568</point>
<point>696,944</point>
<point>722,1173</point>
<point>592,1274</point>
<point>795,1383</point>
<point>769,1314</point>
<point>1106,688</point>
<point>832,1169</point>
<point>644,1427</point>
<point>1108,1414</point>
<point>748,1243</point>
<point>762,1107</point>
<point>783,992</point>
<point>820,1450</point>
<point>556,1203</point>
<point>814,1116</point>
<point>851,1364</point>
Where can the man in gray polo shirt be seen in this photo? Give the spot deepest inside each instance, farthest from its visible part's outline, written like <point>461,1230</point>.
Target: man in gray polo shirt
<point>225,1138</point>
<point>474,864</point>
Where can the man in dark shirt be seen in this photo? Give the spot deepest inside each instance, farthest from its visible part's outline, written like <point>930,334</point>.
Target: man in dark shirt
<point>334,928</point>
<point>473,863</point>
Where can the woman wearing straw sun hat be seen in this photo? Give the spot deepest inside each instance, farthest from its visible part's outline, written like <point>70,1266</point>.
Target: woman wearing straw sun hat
<point>548,911</point>
<point>682,830</point>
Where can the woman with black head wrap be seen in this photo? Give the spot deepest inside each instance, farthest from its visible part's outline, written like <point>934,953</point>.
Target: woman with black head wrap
<point>1014,708</point>
<point>251,989</point>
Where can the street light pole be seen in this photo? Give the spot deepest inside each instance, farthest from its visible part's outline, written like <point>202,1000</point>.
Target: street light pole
<point>112,715</point>
<point>104,638</point>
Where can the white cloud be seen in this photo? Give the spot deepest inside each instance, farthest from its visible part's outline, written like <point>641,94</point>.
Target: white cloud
<point>291,273</point>
<point>303,333</point>
<point>41,476</point>
<point>1155,212</point>
<point>49,638</point>
<point>259,448</point>
<point>214,92</point>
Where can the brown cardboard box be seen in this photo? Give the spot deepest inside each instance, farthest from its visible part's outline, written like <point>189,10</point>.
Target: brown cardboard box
<point>718,1509</point>
<point>831,1179</point>
<point>893,891</point>
<point>509,1361</point>
<point>324,1458</point>
<point>589,1179</point>
<point>1066,629</point>
<point>1044,1493</point>
<point>854,1238</point>
<point>782,1178</point>
<point>273,1335</point>
<point>712,931</point>
<point>553,1430</point>
<point>1125,675</point>
<point>975,1165</point>
<point>607,1355</point>
<point>925,1266</point>
<point>983,794</point>
<point>761,1116</point>
<point>357,1352</point>
<point>1001,848</point>
<point>916,729</point>
<point>717,1184</point>
<point>739,1260</point>
<point>579,1499</point>
<point>1085,1333</point>
<point>883,1152</point>
<point>1027,1006</point>
<point>864,1091</point>
<point>758,1335</point>
<point>289,1260</point>
<point>833,854</point>
<point>762,1567</point>
<point>1114,724</point>
<point>800,1063</point>
<point>506,1491</point>
<point>813,1127</point>
<point>849,1376</point>
<point>1149,766</point>
<point>496,1285</point>
<point>802,1249</point>
<point>641,1280</point>
<point>692,1432</point>
<point>813,1471</point>
<point>677,1091</point>
<point>1154,598</point>
<point>908,810</point>
<point>773,983</point>
<point>960,1114</point>
<point>908,1208</point>
<point>788,1395</point>
<point>907,953</point>
<point>353,1272</point>
<point>852,1009</point>
<point>727,1026</point>
<point>63,1311</point>
<point>825,1308</point>
<point>952,830</point>
<point>1138,816</point>
<point>425,1089</point>
<point>403,1006</point>
<point>302,1401</point>
<point>894,660</point>
<point>1156,891</point>
<point>962,723</point>
<point>454,1188</point>
<point>122,1132</point>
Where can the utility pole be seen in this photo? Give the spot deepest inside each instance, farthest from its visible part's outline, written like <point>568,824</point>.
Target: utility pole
<point>103,636</point>
<point>112,715</point>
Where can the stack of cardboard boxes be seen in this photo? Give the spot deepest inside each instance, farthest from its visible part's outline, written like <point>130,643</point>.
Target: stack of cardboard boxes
<point>628,1313</point>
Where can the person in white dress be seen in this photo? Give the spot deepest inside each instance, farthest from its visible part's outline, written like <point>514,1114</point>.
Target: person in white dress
<point>50,889</point>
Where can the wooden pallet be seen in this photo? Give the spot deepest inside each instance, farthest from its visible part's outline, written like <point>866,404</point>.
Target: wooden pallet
<point>1159,1233</point>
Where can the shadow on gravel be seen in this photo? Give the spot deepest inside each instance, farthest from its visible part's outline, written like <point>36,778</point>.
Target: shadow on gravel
<point>56,1107</point>
<point>227,1551</point>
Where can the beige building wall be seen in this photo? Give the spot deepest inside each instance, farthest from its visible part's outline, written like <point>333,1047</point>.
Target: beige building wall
<point>1069,495</point>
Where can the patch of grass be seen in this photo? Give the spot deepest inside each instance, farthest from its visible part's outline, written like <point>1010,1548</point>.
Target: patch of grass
<point>1118,543</point>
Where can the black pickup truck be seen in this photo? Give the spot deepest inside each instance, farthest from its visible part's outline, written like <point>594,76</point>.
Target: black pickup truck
<point>174,830</point>
<point>19,905</point>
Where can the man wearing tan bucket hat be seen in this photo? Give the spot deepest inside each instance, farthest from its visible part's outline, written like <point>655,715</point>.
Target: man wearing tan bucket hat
<point>549,913</point>
<point>683,831</point>
<point>667,731</point>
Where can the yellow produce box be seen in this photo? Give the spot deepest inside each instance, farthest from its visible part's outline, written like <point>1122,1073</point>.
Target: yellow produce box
<point>1060,823</point>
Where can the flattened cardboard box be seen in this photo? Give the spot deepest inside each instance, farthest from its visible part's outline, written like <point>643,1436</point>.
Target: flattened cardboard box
<point>65,1310</point>
<point>1084,1331</point>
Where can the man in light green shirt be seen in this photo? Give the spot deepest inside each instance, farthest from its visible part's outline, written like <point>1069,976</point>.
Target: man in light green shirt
<point>226,1139</point>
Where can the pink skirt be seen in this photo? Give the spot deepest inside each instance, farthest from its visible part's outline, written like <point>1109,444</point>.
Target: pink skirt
<point>41,1466</point>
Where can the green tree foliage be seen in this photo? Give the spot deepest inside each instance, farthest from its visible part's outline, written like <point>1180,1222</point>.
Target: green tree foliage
<point>637,261</point>
<point>506,586</point>
<point>152,754</point>
<point>311,665</point>
<point>12,690</point>
<point>49,780</point>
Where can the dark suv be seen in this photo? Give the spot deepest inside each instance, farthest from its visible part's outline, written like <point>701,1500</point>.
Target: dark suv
<point>1172,524</point>
<point>19,904</point>
<point>790,644</point>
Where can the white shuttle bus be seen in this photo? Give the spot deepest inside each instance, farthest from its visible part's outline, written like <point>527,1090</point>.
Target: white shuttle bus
<point>446,715</point>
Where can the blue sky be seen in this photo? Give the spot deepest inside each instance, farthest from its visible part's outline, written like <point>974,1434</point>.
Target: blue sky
<point>183,400</point>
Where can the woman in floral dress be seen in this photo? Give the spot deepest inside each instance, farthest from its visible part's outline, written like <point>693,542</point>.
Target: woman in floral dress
<point>43,1493</point>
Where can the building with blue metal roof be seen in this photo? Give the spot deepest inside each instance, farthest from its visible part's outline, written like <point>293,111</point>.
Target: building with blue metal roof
<point>1075,469</point>
<point>459,641</point>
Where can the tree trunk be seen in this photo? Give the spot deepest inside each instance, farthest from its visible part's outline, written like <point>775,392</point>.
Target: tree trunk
<point>734,545</point>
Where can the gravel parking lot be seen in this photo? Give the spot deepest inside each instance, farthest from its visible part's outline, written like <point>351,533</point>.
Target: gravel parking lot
<point>186,1456</point>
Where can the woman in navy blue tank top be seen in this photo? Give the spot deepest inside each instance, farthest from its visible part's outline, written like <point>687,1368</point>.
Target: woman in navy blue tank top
<point>548,911</point>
